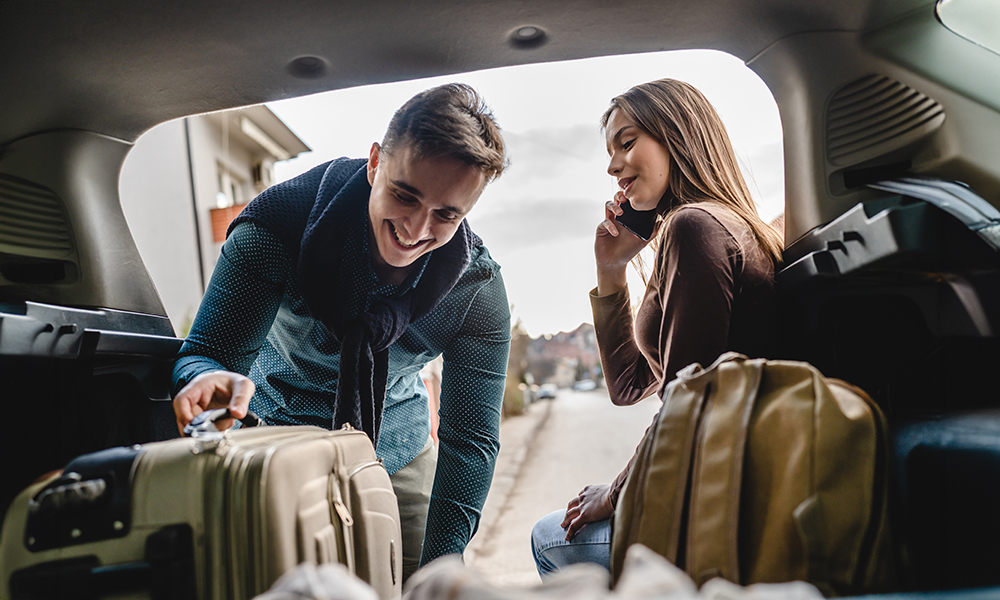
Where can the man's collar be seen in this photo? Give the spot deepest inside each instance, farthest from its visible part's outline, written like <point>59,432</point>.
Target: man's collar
<point>414,277</point>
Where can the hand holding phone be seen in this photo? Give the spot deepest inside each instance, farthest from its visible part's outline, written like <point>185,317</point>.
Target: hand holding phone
<point>641,223</point>
<point>614,249</point>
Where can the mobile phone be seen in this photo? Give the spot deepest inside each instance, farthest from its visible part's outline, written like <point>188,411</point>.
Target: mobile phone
<point>640,222</point>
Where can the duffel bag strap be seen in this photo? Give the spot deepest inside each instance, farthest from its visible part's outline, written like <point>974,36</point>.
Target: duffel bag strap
<point>716,481</point>
<point>692,374</point>
<point>651,505</point>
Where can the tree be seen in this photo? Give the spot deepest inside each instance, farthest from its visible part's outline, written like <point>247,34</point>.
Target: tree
<point>515,388</point>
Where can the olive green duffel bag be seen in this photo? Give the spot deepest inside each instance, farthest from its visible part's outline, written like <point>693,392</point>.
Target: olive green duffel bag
<point>762,471</point>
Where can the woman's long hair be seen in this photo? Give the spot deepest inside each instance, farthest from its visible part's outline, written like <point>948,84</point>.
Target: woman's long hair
<point>703,166</point>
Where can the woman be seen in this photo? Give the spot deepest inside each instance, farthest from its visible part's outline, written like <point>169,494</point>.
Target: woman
<point>710,289</point>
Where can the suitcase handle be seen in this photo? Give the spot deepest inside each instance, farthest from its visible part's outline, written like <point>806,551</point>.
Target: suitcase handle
<point>73,494</point>
<point>204,423</point>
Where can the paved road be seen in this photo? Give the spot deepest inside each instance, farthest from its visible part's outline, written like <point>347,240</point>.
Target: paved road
<point>546,457</point>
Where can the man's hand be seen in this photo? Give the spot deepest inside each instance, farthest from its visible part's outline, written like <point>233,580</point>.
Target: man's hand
<point>217,389</point>
<point>592,504</point>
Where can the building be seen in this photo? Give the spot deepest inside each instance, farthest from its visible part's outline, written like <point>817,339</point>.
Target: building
<point>565,357</point>
<point>184,182</point>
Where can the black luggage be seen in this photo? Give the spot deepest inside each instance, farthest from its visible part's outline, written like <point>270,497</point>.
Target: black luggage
<point>948,471</point>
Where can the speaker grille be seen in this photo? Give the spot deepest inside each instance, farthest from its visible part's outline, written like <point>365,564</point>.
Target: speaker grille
<point>875,115</point>
<point>33,221</point>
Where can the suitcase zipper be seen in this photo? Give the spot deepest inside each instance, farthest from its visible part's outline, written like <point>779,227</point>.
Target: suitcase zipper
<point>356,470</point>
<point>341,509</point>
<point>341,515</point>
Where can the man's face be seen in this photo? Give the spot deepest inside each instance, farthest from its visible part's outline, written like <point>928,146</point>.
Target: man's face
<point>416,205</point>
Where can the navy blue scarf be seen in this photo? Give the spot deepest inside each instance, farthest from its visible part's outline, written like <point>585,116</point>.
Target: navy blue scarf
<point>311,215</point>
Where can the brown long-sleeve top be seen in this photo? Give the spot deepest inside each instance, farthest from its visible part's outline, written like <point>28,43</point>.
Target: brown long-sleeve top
<point>711,291</point>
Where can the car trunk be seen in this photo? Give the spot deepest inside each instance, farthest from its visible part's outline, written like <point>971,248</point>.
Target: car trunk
<point>901,296</point>
<point>76,381</point>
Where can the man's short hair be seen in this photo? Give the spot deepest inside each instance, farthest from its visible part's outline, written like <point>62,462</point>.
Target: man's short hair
<point>450,120</point>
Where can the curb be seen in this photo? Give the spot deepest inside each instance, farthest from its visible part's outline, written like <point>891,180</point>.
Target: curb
<point>517,435</point>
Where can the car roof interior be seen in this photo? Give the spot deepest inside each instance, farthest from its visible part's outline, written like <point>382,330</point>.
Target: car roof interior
<point>84,80</point>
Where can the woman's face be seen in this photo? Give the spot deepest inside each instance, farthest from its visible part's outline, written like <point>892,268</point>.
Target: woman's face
<point>639,162</point>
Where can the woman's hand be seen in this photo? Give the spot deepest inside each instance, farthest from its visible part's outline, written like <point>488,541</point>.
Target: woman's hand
<point>592,504</point>
<point>614,247</point>
<point>217,389</point>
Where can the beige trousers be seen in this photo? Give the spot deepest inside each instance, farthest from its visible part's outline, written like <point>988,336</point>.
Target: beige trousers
<point>413,484</point>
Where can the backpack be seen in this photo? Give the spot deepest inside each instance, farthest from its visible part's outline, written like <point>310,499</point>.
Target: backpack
<point>762,471</point>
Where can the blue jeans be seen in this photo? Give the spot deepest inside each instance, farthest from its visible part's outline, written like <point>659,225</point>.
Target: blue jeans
<point>592,544</point>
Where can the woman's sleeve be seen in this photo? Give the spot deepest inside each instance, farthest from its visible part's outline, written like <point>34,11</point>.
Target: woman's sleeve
<point>238,308</point>
<point>626,372</point>
<point>695,264</point>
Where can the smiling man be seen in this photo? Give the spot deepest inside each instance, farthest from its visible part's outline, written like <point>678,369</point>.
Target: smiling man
<point>417,203</point>
<point>334,289</point>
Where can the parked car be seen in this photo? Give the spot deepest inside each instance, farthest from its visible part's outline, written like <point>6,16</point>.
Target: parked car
<point>547,391</point>
<point>585,385</point>
<point>893,287</point>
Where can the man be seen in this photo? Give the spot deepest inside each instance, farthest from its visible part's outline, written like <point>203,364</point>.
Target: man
<point>334,289</point>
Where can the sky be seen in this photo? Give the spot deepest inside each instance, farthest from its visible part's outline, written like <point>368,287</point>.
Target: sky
<point>539,218</point>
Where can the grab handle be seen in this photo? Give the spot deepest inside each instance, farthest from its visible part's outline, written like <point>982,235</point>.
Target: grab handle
<point>204,423</point>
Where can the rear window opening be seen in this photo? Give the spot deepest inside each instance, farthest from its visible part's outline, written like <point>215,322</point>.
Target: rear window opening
<point>976,20</point>
<point>538,219</point>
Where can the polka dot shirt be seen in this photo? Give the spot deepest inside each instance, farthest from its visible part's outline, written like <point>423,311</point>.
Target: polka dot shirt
<point>253,320</point>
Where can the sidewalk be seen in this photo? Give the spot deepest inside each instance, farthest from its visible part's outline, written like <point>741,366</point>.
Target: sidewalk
<point>516,436</point>
<point>546,457</point>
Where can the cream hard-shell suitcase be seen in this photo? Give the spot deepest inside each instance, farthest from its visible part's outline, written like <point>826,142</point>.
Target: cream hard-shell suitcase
<point>213,518</point>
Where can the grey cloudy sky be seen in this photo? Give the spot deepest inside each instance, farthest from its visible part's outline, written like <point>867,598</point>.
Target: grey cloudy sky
<point>539,218</point>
